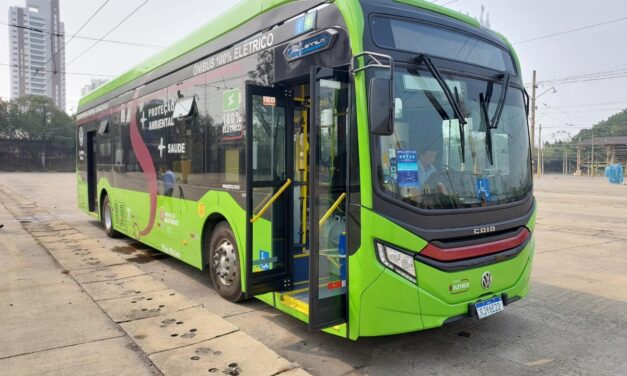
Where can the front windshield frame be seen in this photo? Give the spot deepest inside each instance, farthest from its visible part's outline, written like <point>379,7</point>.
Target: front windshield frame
<point>382,44</point>
<point>376,144</point>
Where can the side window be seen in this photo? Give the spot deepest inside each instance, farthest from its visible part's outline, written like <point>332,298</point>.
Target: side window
<point>225,146</point>
<point>118,148</point>
<point>189,116</point>
<point>132,165</point>
<point>154,120</point>
<point>104,143</point>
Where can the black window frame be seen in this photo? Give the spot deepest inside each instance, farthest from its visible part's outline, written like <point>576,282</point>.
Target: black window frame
<point>435,25</point>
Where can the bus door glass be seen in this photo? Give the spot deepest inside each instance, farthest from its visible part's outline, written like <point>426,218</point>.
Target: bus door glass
<point>91,171</point>
<point>267,190</point>
<point>328,202</point>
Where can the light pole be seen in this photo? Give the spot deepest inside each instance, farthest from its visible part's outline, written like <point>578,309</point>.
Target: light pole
<point>534,98</point>
<point>554,90</point>
<point>539,167</point>
<point>564,148</point>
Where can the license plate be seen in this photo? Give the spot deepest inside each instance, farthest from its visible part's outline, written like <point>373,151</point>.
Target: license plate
<point>489,307</point>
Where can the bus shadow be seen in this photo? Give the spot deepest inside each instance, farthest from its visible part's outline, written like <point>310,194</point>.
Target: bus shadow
<point>194,283</point>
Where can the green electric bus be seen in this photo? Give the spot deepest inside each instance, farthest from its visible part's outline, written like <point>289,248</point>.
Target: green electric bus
<point>362,165</point>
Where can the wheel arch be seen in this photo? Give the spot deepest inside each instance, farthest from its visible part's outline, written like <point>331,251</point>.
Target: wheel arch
<point>101,196</point>
<point>210,223</point>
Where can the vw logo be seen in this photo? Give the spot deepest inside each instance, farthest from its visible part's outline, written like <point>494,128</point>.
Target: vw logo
<point>486,280</point>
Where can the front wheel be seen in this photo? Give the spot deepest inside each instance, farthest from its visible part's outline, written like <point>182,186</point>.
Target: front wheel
<point>224,264</point>
<point>107,219</point>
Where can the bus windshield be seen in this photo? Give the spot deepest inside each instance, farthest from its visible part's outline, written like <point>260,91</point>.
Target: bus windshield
<point>422,163</point>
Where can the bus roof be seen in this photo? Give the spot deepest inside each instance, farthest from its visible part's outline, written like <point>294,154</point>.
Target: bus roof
<point>235,16</point>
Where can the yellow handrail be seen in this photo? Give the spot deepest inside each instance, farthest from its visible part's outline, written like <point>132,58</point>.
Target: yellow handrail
<point>272,200</point>
<point>326,215</point>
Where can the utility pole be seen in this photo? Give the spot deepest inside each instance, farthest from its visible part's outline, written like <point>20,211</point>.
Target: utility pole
<point>539,167</point>
<point>533,112</point>
<point>43,133</point>
<point>592,154</point>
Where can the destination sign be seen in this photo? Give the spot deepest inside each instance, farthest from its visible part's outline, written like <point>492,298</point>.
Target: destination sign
<point>310,45</point>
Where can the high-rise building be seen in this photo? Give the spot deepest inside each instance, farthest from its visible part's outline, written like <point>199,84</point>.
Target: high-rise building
<point>36,42</point>
<point>93,85</point>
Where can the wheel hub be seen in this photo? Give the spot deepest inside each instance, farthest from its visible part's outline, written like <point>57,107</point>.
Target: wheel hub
<point>224,262</point>
<point>107,216</point>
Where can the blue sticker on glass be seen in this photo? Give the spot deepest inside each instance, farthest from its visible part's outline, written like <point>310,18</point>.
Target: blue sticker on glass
<point>310,21</point>
<point>264,255</point>
<point>407,168</point>
<point>483,188</point>
<point>305,23</point>
<point>299,26</point>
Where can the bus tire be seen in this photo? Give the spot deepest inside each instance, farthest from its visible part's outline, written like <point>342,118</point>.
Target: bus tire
<point>224,263</point>
<point>107,218</point>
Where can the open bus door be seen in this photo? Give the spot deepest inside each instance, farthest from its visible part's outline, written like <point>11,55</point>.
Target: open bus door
<point>92,195</point>
<point>328,203</point>
<point>267,190</point>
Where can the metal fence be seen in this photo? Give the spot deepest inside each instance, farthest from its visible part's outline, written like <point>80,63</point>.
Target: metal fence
<point>30,155</point>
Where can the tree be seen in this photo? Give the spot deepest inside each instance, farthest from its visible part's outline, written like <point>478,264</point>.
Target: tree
<point>4,117</point>
<point>36,118</point>
<point>615,125</point>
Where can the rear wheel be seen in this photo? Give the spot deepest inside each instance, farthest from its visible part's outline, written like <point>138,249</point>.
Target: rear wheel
<point>107,218</point>
<point>224,263</point>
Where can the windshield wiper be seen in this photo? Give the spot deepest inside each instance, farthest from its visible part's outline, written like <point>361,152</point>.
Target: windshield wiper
<point>452,100</point>
<point>488,127</point>
<point>499,108</point>
<point>494,123</point>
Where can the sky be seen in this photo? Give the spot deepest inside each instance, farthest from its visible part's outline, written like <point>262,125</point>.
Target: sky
<point>590,52</point>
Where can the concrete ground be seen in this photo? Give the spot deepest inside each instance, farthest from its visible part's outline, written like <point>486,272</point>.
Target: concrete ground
<point>573,322</point>
<point>72,306</point>
<point>46,319</point>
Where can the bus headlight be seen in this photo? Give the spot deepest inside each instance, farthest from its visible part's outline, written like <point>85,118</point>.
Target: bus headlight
<point>398,261</point>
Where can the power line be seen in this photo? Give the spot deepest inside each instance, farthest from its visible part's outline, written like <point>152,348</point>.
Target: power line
<point>588,110</point>
<point>594,76</point>
<point>54,62</point>
<point>567,113</point>
<point>590,68</point>
<point>135,44</point>
<point>45,70</point>
<point>86,22</point>
<point>571,30</point>
<point>592,104</point>
<point>584,79</point>
<point>71,38</point>
<point>109,32</point>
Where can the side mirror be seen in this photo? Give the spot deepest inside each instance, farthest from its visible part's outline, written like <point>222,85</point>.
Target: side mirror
<point>381,106</point>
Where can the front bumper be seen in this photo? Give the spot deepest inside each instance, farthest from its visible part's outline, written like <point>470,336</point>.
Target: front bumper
<point>385,313</point>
